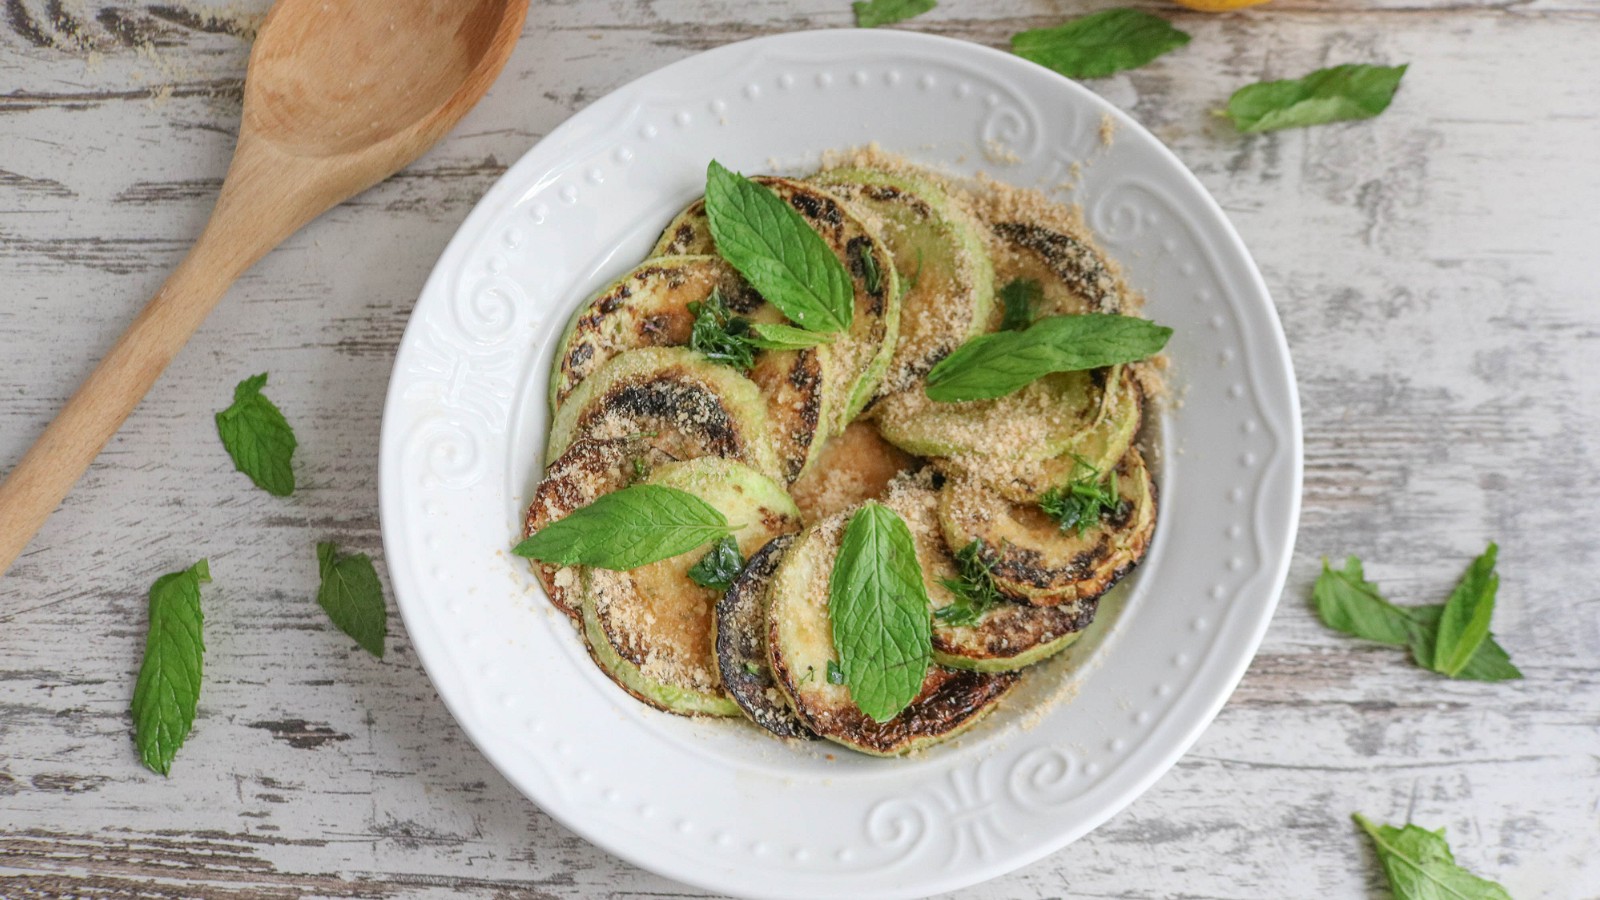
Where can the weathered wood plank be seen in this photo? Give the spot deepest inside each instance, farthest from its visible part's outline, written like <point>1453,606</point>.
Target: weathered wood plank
<point>1434,273</point>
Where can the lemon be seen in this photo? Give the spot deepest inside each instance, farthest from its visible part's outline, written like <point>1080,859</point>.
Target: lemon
<point>1219,5</point>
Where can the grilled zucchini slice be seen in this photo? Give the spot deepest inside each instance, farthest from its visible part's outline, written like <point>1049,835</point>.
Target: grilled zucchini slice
<point>741,642</point>
<point>588,469</point>
<point>1071,272</point>
<point>1007,636</point>
<point>855,466</point>
<point>800,646</point>
<point>939,252</point>
<point>651,628</point>
<point>1093,414</point>
<point>1100,445</point>
<point>677,401</point>
<point>648,307</point>
<point>1032,558</point>
<point>862,356</point>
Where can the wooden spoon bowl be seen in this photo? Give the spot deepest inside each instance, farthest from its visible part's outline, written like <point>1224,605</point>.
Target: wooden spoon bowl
<point>339,95</point>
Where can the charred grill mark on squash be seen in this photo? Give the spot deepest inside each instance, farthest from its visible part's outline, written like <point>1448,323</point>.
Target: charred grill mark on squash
<point>741,646</point>
<point>675,407</point>
<point>1073,261</point>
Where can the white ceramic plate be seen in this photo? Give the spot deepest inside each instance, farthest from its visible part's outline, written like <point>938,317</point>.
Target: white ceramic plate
<point>717,804</point>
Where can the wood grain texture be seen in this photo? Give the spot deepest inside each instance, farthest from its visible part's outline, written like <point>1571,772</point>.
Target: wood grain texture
<point>1434,269</point>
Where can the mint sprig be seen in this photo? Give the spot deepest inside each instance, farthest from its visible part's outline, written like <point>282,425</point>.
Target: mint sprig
<point>777,252</point>
<point>994,365</point>
<point>168,689</point>
<point>1347,602</point>
<point>1327,95</point>
<point>352,596</point>
<point>256,435</point>
<point>1099,44</point>
<point>626,529</point>
<point>882,630</point>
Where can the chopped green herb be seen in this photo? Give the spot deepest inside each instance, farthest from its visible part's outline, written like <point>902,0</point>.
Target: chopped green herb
<point>1420,866</point>
<point>720,567</point>
<point>1082,501</point>
<point>869,268</point>
<point>1336,94</point>
<point>641,470</point>
<point>751,668</point>
<point>873,13</point>
<point>974,588</point>
<point>1100,43</point>
<point>1019,299</point>
<point>835,674</point>
<point>719,334</point>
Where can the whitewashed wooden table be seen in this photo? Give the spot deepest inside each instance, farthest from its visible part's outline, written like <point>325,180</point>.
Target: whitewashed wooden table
<point>1435,270</point>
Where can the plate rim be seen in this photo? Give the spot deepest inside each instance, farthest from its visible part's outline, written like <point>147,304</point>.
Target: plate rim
<point>1276,571</point>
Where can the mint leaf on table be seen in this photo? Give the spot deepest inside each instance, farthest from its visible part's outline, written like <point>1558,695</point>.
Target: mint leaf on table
<point>1018,301</point>
<point>258,438</point>
<point>1420,866</point>
<point>994,365</point>
<point>1336,94</point>
<point>1099,44</point>
<point>352,597</point>
<point>777,252</point>
<point>776,336</point>
<point>1489,663</point>
<point>873,13</point>
<point>168,689</point>
<point>1464,624</point>
<point>720,567</point>
<point>1347,602</point>
<point>626,529</point>
<point>879,606</point>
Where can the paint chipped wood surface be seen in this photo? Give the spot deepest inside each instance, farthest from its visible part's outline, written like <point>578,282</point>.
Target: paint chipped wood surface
<point>1434,270</point>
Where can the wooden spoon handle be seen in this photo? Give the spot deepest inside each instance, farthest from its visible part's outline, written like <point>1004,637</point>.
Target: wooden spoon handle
<point>61,455</point>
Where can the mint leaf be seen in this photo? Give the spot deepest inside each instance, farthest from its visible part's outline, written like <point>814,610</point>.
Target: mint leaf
<point>1347,602</point>
<point>994,365</point>
<point>873,13</point>
<point>352,597</point>
<point>626,529</point>
<point>1336,94</point>
<point>835,674</point>
<point>1464,624</point>
<point>168,689</point>
<point>1019,299</point>
<point>720,567</point>
<point>1099,44</point>
<point>777,252</point>
<point>1420,866</point>
<point>881,627</point>
<point>773,336</point>
<point>258,438</point>
<point>1489,663</point>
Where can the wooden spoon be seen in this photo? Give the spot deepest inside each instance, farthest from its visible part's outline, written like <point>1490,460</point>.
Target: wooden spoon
<point>339,95</point>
